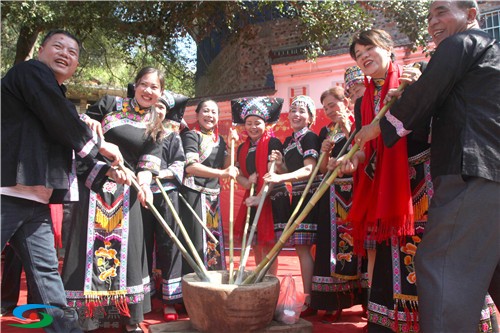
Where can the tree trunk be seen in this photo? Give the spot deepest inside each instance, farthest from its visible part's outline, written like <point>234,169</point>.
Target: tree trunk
<point>25,44</point>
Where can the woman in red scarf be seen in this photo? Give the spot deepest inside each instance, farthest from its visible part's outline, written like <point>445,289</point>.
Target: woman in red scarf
<point>257,113</point>
<point>391,194</point>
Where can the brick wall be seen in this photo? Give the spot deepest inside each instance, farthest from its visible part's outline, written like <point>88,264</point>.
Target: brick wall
<point>486,6</point>
<point>245,64</point>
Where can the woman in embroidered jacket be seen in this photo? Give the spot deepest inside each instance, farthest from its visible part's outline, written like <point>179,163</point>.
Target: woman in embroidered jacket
<point>206,162</point>
<point>392,192</point>
<point>337,281</point>
<point>168,259</point>
<point>105,261</point>
<point>257,114</point>
<point>301,152</point>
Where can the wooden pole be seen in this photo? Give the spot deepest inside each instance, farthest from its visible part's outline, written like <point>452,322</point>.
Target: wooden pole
<point>301,200</point>
<point>315,198</point>
<point>209,233</point>
<point>246,253</point>
<point>201,274</point>
<point>310,181</point>
<point>340,154</point>
<point>263,272</point>
<point>231,219</point>
<point>181,227</point>
<point>288,232</point>
<point>247,223</point>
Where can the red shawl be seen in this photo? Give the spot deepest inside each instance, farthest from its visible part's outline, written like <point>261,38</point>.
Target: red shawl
<point>384,203</point>
<point>265,228</point>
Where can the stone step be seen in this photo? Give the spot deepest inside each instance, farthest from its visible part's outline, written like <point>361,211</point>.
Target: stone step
<point>184,326</point>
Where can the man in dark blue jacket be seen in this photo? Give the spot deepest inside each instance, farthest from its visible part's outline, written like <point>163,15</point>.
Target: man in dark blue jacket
<point>458,260</point>
<point>40,131</point>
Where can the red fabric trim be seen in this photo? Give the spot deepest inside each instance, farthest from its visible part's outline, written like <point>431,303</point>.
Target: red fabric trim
<point>384,203</point>
<point>56,213</point>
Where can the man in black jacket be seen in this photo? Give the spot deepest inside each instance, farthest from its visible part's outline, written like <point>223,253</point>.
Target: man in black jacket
<point>458,260</point>
<point>40,131</point>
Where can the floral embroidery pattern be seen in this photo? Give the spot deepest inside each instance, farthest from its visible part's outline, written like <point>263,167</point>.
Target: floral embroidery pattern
<point>346,187</point>
<point>409,260</point>
<point>171,126</point>
<point>412,172</point>
<point>212,254</point>
<point>136,107</point>
<point>345,244</point>
<point>107,263</point>
<point>109,187</point>
<point>149,162</point>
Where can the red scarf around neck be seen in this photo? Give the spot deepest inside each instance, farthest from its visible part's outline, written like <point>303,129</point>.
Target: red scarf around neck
<point>265,228</point>
<point>384,203</point>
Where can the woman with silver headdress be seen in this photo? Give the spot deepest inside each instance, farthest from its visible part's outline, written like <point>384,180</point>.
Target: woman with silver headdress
<point>301,152</point>
<point>257,114</point>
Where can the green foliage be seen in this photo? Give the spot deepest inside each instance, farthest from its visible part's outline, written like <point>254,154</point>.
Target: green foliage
<point>114,46</point>
<point>324,22</point>
<point>120,37</point>
<point>9,35</point>
<point>411,18</point>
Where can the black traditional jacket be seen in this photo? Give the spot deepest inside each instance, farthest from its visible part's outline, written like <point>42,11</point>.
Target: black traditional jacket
<point>40,130</point>
<point>460,91</point>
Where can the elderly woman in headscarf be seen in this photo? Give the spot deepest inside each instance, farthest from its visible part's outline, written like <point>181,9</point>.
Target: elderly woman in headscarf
<point>301,152</point>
